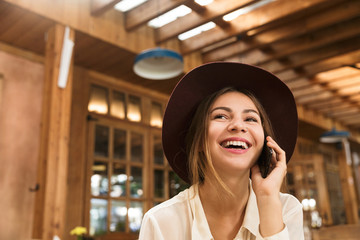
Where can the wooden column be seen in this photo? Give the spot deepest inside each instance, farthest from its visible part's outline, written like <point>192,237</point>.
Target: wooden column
<point>348,187</point>
<point>53,168</point>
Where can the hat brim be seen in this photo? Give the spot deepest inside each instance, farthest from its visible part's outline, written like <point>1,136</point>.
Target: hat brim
<point>273,94</point>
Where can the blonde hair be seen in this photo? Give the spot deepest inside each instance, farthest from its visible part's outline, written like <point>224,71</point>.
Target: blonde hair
<point>198,152</point>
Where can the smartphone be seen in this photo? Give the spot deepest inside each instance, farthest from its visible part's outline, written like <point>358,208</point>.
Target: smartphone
<point>265,160</point>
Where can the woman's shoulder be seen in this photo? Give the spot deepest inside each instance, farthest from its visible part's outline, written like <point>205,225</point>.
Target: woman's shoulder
<point>290,203</point>
<point>172,207</point>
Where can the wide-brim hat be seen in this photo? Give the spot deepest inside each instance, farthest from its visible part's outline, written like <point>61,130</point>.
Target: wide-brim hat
<point>273,94</point>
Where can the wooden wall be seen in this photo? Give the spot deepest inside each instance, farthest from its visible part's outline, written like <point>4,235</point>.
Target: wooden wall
<point>20,112</point>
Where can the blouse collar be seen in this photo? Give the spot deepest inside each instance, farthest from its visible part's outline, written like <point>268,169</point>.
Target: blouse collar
<point>200,226</point>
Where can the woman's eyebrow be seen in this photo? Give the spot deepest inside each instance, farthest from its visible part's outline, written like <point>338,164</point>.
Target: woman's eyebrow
<point>251,110</point>
<point>230,110</point>
<point>221,108</point>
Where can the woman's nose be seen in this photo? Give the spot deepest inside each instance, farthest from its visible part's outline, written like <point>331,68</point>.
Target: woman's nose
<point>237,126</point>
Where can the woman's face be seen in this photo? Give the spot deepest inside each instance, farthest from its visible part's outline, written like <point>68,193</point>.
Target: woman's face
<point>235,133</point>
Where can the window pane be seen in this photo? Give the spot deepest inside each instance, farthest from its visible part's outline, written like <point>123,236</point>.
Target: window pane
<point>119,144</point>
<point>135,216</point>
<point>158,151</point>
<point>98,217</point>
<point>99,179</point>
<point>118,105</point>
<point>118,216</point>
<point>156,115</point>
<point>134,109</point>
<point>136,188</point>
<point>176,184</point>
<point>101,141</point>
<point>159,183</point>
<point>118,181</point>
<point>98,101</point>
<point>137,147</point>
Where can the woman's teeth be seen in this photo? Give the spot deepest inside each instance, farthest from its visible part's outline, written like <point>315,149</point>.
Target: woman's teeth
<point>235,144</point>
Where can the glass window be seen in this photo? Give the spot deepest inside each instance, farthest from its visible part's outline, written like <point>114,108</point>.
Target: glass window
<point>134,109</point>
<point>118,180</point>
<point>119,144</point>
<point>158,151</point>
<point>99,179</point>
<point>98,101</point>
<point>176,184</point>
<point>159,184</point>
<point>156,115</point>
<point>136,186</point>
<point>117,108</point>
<point>98,216</point>
<point>135,215</point>
<point>137,144</point>
<point>101,141</point>
<point>118,216</point>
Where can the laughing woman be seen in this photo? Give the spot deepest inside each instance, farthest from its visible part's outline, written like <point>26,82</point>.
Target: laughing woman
<point>229,130</point>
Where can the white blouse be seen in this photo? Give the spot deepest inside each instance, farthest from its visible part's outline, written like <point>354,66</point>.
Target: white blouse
<point>183,218</point>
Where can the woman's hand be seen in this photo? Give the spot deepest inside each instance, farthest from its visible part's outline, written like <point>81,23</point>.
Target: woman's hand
<point>267,191</point>
<point>272,183</point>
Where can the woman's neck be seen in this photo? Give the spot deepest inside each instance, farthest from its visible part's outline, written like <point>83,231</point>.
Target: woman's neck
<point>214,196</point>
<point>224,213</point>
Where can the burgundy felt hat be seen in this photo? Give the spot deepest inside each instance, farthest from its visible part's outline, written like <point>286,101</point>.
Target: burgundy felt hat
<point>273,94</point>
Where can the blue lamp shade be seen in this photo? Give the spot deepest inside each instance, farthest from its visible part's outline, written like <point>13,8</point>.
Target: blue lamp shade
<point>158,64</point>
<point>334,136</point>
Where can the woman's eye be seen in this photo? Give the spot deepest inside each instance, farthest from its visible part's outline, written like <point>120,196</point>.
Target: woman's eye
<point>251,119</point>
<point>220,116</point>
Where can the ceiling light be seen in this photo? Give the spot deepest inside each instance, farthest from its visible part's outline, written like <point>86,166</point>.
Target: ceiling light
<point>334,136</point>
<point>244,10</point>
<point>169,16</point>
<point>196,31</point>
<point>203,2</point>
<point>126,5</point>
<point>158,64</point>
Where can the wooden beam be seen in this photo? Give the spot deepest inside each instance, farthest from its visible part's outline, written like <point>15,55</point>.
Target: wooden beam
<point>214,11</point>
<point>322,66</point>
<point>309,42</point>
<point>348,186</point>
<point>99,7</point>
<point>149,10</point>
<point>292,29</point>
<point>267,14</point>
<point>55,138</point>
<point>314,55</point>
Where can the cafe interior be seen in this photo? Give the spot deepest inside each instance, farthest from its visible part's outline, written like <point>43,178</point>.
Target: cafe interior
<point>84,85</point>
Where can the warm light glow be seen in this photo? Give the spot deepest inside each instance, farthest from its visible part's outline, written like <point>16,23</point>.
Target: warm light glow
<point>169,16</point>
<point>156,115</point>
<point>118,109</point>
<point>98,108</point>
<point>98,100</point>
<point>203,2</point>
<point>196,31</point>
<point>231,16</point>
<point>134,113</point>
<point>126,5</point>
<point>305,203</point>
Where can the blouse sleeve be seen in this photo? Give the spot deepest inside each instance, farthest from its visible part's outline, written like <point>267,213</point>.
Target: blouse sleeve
<point>293,229</point>
<point>150,229</point>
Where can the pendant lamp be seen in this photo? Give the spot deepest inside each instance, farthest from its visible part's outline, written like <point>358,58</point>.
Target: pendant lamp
<point>158,64</point>
<point>334,136</point>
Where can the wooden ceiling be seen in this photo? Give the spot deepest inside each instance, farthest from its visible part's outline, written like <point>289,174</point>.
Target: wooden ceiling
<point>312,45</point>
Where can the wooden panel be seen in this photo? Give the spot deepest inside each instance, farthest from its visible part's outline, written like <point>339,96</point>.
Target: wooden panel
<point>19,143</point>
<point>342,232</point>
<point>57,111</point>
